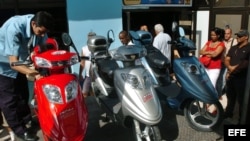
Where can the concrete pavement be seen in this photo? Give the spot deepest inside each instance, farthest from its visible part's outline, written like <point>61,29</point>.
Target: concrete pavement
<point>173,127</point>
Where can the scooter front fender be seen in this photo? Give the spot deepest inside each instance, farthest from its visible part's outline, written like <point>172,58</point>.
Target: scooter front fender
<point>194,80</point>
<point>139,103</point>
<point>66,121</point>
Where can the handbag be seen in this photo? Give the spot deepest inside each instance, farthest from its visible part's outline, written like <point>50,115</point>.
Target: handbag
<point>205,60</point>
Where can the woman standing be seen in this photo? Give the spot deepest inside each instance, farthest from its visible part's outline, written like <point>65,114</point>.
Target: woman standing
<point>214,49</point>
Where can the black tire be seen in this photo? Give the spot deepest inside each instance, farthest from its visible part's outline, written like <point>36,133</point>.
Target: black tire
<point>200,118</point>
<point>153,132</point>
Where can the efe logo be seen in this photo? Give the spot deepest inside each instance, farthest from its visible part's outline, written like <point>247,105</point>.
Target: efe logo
<point>240,132</point>
<point>237,132</point>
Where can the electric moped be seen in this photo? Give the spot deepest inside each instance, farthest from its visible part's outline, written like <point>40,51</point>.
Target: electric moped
<point>59,104</point>
<point>124,93</point>
<point>192,91</point>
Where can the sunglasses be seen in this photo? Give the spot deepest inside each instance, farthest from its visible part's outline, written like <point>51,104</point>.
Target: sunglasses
<point>239,36</point>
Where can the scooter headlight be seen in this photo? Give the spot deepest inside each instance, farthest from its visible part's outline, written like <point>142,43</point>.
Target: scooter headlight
<point>132,80</point>
<point>191,68</point>
<point>71,90</point>
<point>53,93</point>
<point>43,63</point>
<point>135,82</point>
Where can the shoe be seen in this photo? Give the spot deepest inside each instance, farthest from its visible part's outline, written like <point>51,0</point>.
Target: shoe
<point>227,115</point>
<point>27,137</point>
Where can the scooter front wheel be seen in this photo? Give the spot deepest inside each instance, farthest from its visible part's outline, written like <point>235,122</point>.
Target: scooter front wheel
<point>203,116</point>
<point>144,132</point>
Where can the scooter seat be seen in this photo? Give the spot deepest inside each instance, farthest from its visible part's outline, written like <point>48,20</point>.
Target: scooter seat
<point>156,59</point>
<point>106,69</point>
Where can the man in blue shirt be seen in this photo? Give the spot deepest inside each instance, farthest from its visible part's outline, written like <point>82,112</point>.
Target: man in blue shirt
<point>15,34</point>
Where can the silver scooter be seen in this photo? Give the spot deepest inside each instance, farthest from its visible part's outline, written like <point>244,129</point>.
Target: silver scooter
<point>125,93</point>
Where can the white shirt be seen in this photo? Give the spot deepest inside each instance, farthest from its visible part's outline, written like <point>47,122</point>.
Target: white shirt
<point>86,52</point>
<point>228,44</point>
<point>161,42</point>
<point>130,43</point>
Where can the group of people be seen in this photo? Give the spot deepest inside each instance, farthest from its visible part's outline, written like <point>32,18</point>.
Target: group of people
<point>228,66</point>
<point>161,40</point>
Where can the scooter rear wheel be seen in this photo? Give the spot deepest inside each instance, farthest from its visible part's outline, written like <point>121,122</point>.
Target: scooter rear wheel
<point>144,132</point>
<point>203,116</point>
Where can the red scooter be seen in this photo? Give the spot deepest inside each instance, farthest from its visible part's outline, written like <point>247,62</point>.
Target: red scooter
<point>60,106</point>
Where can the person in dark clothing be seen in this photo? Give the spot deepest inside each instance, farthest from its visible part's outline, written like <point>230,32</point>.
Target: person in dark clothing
<point>15,34</point>
<point>236,62</point>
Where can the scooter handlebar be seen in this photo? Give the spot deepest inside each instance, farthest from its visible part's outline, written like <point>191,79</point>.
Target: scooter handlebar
<point>172,42</point>
<point>21,63</point>
<point>85,57</point>
<point>96,57</point>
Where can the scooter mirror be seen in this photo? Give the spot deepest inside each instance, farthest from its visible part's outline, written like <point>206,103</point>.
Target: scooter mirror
<point>110,36</point>
<point>174,26</point>
<point>181,32</point>
<point>66,39</point>
<point>134,35</point>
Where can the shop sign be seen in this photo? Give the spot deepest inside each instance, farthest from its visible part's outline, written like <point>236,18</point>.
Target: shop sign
<point>170,3</point>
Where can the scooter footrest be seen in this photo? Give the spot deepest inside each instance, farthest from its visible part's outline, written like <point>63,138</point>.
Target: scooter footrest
<point>171,90</point>
<point>112,104</point>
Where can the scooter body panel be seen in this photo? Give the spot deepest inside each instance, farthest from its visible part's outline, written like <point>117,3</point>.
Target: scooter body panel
<point>140,103</point>
<point>194,80</point>
<point>65,121</point>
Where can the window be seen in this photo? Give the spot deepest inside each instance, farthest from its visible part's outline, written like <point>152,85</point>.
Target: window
<point>233,20</point>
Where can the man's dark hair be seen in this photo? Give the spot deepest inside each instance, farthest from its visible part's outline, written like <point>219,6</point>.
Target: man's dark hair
<point>125,33</point>
<point>43,18</point>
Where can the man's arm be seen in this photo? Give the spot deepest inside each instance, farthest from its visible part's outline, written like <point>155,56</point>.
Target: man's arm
<point>204,52</point>
<point>217,51</point>
<point>82,65</point>
<point>22,69</point>
<point>242,66</point>
<point>227,64</point>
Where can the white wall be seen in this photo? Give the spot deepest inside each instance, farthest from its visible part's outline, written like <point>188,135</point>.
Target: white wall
<point>202,28</point>
<point>91,15</point>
